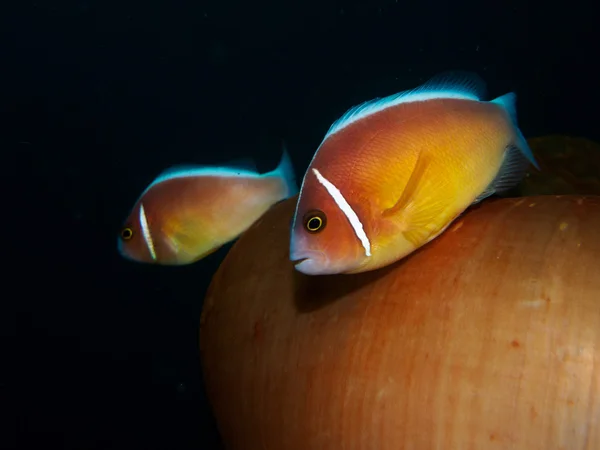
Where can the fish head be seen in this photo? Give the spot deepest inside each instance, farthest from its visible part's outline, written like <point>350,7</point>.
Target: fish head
<point>324,237</point>
<point>135,240</point>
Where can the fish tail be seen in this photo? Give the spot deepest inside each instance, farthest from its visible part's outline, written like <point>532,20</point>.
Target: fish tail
<point>517,155</point>
<point>509,103</point>
<point>285,170</point>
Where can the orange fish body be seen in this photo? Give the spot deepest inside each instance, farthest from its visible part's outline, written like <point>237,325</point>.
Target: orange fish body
<point>188,213</point>
<point>392,174</point>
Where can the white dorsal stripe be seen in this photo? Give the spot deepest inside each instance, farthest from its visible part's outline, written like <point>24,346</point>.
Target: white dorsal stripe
<point>454,85</point>
<point>379,104</point>
<point>341,202</point>
<point>189,171</point>
<point>146,232</point>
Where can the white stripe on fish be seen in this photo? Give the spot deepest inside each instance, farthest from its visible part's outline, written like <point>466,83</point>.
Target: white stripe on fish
<point>445,85</point>
<point>146,232</point>
<point>341,202</point>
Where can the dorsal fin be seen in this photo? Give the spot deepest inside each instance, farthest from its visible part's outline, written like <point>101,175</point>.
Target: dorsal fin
<point>454,84</point>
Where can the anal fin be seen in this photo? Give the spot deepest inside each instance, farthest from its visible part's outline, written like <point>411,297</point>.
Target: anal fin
<point>513,169</point>
<point>183,236</point>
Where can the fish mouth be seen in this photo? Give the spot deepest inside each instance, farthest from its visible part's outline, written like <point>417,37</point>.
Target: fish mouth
<point>301,265</point>
<point>310,262</point>
<point>309,266</point>
<point>299,261</point>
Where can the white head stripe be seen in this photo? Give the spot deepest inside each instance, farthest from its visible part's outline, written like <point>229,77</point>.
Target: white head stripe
<point>339,199</point>
<point>146,232</point>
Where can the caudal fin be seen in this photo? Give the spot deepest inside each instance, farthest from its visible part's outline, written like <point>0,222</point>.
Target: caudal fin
<point>517,156</point>
<point>509,103</point>
<point>285,170</point>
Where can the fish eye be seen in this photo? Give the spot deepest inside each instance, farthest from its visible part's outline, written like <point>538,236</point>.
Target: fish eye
<point>126,233</point>
<point>314,221</point>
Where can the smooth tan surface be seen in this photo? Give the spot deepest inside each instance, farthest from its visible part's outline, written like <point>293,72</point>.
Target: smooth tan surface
<point>486,338</point>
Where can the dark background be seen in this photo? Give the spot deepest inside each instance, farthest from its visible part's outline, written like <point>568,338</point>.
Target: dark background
<point>97,97</point>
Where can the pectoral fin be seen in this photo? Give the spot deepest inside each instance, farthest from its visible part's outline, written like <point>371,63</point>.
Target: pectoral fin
<point>421,207</point>
<point>186,237</point>
<point>412,186</point>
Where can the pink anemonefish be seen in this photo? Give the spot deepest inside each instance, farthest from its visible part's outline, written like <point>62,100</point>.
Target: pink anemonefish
<point>189,212</point>
<point>393,173</point>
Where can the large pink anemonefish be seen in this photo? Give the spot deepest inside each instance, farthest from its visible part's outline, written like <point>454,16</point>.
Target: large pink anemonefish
<point>391,174</point>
